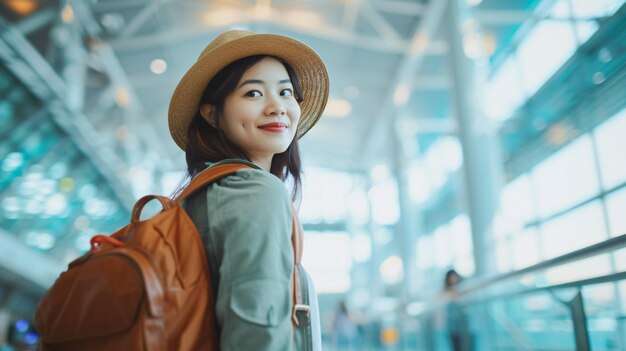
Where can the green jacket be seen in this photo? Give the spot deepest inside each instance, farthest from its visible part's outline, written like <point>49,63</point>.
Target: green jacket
<point>244,220</point>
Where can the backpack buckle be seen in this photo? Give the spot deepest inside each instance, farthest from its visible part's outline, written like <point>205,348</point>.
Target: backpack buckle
<point>300,308</point>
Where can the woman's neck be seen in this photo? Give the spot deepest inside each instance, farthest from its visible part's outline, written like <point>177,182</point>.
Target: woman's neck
<point>264,163</point>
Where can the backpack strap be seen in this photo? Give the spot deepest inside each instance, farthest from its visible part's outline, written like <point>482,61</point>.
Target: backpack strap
<point>219,171</point>
<point>209,176</point>
<point>296,241</point>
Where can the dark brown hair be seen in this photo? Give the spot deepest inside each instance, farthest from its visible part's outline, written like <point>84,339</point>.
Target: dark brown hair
<point>206,143</point>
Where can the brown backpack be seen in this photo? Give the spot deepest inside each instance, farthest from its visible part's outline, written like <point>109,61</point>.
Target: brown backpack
<point>145,287</point>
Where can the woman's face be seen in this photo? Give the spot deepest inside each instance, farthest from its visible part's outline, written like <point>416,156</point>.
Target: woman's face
<point>261,115</point>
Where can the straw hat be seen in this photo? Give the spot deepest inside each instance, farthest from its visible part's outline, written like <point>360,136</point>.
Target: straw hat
<point>236,44</point>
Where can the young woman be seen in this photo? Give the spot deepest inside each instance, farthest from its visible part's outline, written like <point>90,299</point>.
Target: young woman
<point>248,99</point>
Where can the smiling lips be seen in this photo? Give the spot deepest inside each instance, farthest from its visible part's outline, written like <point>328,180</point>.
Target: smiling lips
<point>275,127</point>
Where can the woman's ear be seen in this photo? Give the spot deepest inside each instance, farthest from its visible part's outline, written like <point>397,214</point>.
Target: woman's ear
<point>208,113</point>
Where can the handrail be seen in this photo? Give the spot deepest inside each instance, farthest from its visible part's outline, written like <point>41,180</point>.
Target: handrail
<point>593,250</point>
<point>466,288</point>
<point>573,284</point>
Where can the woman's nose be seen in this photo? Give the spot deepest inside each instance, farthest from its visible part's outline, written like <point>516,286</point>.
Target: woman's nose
<point>274,107</point>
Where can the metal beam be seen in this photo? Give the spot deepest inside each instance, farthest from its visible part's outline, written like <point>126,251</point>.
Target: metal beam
<point>26,263</point>
<point>380,24</point>
<point>329,33</point>
<point>399,7</point>
<point>118,5</point>
<point>579,319</point>
<point>140,19</point>
<point>482,164</point>
<point>381,127</point>
<point>504,17</point>
<point>434,82</point>
<point>37,74</point>
<point>119,77</point>
<point>36,21</point>
<point>350,15</point>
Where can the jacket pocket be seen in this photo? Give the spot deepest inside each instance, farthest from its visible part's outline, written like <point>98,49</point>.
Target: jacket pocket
<point>261,301</point>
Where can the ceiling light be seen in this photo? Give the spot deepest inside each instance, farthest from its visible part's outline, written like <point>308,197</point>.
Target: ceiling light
<point>361,248</point>
<point>338,108</point>
<point>82,241</point>
<point>263,10</point>
<point>401,96</point>
<point>56,204</point>
<point>41,240</point>
<point>158,66</point>
<point>392,270</point>
<point>122,99</point>
<point>67,14</point>
<point>380,173</point>
<point>81,222</point>
<point>491,43</point>
<point>66,184</point>
<point>21,7</point>
<point>87,191</point>
<point>12,161</point>
<point>473,45</point>
<point>304,19</point>
<point>598,78</point>
<point>222,17</point>
<point>419,43</point>
<point>121,133</point>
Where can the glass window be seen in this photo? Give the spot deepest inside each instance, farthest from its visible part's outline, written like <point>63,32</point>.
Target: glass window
<point>425,251</point>
<point>330,276</point>
<point>566,178</point>
<point>603,294</point>
<point>583,269</point>
<point>620,259</point>
<point>384,202</point>
<point>504,90</point>
<point>465,265</point>
<point>585,29</point>
<point>327,203</point>
<point>616,211</point>
<point>622,292</point>
<point>610,141</point>
<point>461,235</point>
<point>586,12</point>
<point>544,50</point>
<point>525,247</point>
<point>443,258</point>
<point>419,185</point>
<point>574,230</point>
<point>595,8</point>
<point>503,256</point>
<point>517,202</point>
<point>436,167</point>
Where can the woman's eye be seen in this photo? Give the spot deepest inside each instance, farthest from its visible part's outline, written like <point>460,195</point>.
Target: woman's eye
<point>286,92</point>
<point>253,93</point>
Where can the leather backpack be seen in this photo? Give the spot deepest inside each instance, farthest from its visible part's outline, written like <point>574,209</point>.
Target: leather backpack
<point>145,287</point>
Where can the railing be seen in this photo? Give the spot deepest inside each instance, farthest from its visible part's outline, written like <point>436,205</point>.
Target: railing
<point>492,290</point>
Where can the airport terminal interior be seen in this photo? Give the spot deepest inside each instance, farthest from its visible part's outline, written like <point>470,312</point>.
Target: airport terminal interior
<point>467,178</point>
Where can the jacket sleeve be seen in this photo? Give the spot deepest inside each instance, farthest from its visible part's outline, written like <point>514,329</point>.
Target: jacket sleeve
<point>252,224</point>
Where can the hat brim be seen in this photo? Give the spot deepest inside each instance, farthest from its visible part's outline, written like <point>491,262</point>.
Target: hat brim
<point>308,66</point>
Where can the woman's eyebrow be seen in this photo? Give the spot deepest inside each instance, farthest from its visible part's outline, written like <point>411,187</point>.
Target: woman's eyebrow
<point>258,81</point>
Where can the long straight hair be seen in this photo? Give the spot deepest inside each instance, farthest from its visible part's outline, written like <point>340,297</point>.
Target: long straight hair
<point>206,143</point>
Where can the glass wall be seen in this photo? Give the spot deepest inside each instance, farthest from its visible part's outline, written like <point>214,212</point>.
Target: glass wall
<point>53,198</point>
<point>557,96</point>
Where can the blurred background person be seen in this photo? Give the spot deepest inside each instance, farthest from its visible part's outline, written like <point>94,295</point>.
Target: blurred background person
<point>457,324</point>
<point>345,330</point>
